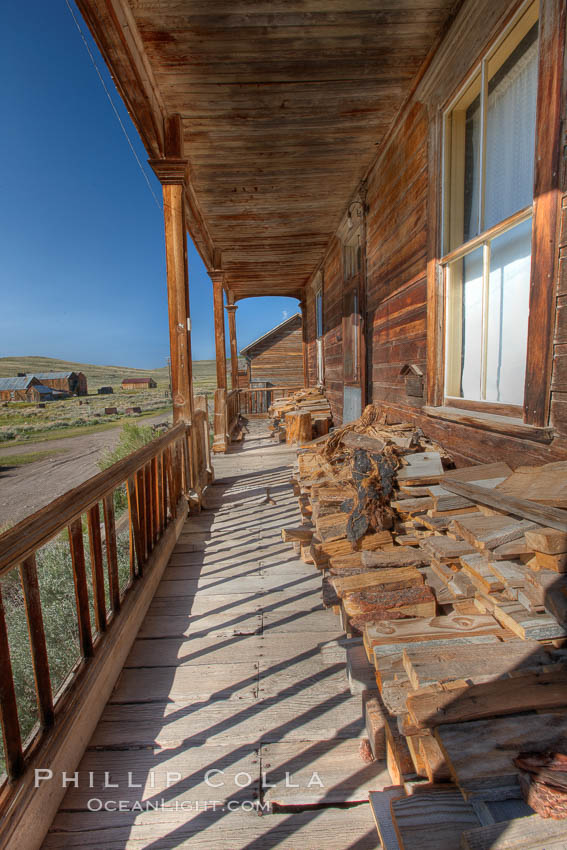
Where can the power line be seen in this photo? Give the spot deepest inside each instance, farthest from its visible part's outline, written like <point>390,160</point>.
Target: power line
<point>115,110</point>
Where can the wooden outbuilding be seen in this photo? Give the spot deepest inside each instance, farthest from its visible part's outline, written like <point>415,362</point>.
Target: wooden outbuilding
<point>277,356</point>
<point>74,383</point>
<point>138,384</point>
<point>40,393</point>
<point>18,388</point>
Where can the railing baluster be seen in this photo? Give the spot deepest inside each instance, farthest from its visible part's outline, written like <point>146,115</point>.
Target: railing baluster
<point>97,569</point>
<point>40,660</point>
<point>148,528</point>
<point>141,504</point>
<point>155,501</point>
<point>136,536</point>
<point>81,592</point>
<point>176,468</point>
<point>111,552</point>
<point>191,479</point>
<point>8,705</point>
<point>163,492</point>
<point>170,487</point>
<point>157,496</point>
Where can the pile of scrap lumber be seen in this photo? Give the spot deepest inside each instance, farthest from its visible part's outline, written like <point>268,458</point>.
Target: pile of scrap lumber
<point>451,586</point>
<point>299,417</point>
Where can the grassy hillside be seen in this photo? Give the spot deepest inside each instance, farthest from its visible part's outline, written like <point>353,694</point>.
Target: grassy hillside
<point>97,376</point>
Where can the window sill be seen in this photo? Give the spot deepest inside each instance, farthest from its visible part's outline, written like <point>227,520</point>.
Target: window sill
<point>503,425</point>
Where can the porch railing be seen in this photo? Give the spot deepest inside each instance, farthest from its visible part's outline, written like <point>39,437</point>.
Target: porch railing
<point>250,401</point>
<point>255,401</point>
<point>109,533</point>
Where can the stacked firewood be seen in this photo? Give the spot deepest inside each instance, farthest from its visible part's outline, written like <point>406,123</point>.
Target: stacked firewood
<point>452,593</point>
<point>299,417</point>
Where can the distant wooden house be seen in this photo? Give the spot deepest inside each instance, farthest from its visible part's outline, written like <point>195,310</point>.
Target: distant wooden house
<point>277,356</point>
<point>17,389</point>
<point>39,392</point>
<point>138,384</point>
<point>74,383</point>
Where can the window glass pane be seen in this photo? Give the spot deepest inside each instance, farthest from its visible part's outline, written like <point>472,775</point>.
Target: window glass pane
<point>510,133</point>
<point>319,313</point>
<point>472,170</point>
<point>508,308</point>
<point>464,339</point>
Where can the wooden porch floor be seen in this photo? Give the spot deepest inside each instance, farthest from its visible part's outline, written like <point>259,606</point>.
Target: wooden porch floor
<point>226,675</point>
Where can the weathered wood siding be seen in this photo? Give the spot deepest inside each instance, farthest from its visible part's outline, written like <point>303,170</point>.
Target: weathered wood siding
<point>396,237</point>
<point>279,359</point>
<point>403,191</point>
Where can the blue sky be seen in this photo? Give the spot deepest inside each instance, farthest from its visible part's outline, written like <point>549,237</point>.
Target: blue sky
<point>82,269</point>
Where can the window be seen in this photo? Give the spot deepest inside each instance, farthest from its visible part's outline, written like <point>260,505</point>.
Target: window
<point>351,342</point>
<point>489,161</point>
<point>352,258</point>
<point>319,324</point>
<point>352,268</point>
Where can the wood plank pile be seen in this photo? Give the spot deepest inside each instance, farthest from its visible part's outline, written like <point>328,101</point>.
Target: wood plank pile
<point>451,586</point>
<point>300,416</point>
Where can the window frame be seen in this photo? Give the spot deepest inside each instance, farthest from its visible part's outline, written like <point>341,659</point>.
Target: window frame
<point>352,254</point>
<point>544,209</point>
<point>319,337</point>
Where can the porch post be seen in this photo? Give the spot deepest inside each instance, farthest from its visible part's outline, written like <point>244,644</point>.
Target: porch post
<point>217,278</point>
<point>231,310</point>
<point>303,305</point>
<point>172,174</point>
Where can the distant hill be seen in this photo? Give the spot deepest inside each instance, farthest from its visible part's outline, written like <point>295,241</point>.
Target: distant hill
<point>204,371</point>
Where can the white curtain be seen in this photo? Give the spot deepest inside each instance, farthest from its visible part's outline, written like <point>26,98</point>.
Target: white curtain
<point>510,139</point>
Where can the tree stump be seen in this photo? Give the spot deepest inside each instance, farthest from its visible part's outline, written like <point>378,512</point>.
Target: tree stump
<point>298,427</point>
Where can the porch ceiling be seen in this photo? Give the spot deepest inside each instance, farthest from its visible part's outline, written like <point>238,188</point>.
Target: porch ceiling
<point>284,104</point>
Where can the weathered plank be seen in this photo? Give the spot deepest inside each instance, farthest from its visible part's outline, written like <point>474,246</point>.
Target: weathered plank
<point>488,532</point>
<point>427,666</point>
<point>195,651</point>
<point>551,541</point>
<point>399,556</point>
<point>205,829</point>
<point>481,753</point>
<point>145,775</point>
<point>320,772</point>
<point>233,680</point>
<point>545,484</point>
<point>432,628</point>
<point>478,472</point>
<point>430,820</point>
<point>525,833</point>
<point>445,549</point>
<point>421,466</point>
<point>540,514</point>
<point>380,802</point>
<point>460,701</point>
<point>386,579</point>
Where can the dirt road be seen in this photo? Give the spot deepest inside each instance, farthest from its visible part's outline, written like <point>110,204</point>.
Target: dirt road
<point>25,489</point>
